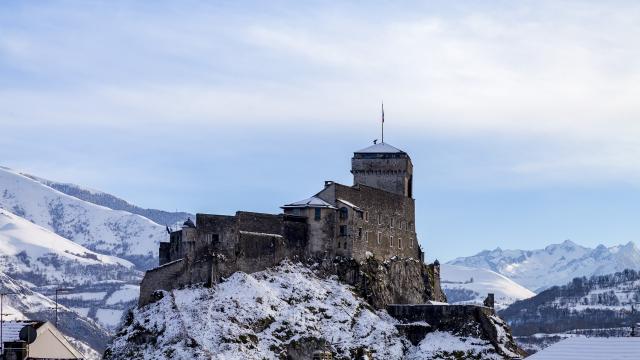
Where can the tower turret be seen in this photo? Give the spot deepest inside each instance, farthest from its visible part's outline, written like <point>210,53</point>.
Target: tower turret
<point>384,167</point>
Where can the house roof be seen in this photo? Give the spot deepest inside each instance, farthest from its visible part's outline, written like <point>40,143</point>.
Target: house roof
<point>312,202</point>
<point>380,148</point>
<point>584,348</point>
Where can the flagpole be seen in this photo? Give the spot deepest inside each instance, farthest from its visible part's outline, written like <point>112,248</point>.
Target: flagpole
<point>383,122</point>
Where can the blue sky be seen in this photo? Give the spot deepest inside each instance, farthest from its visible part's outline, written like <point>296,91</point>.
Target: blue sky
<point>521,117</point>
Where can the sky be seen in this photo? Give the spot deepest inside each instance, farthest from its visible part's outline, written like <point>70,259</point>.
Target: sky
<point>521,117</point>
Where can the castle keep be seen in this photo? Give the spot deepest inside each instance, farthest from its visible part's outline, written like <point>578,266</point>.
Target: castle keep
<point>373,218</point>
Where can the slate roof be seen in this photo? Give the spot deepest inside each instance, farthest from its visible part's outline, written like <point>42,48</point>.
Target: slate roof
<point>11,329</point>
<point>592,348</point>
<point>312,202</point>
<point>380,148</point>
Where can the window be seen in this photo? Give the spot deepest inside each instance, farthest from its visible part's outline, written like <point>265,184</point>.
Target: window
<point>379,219</point>
<point>360,214</point>
<point>399,243</point>
<point>318,213</point>
<point>366,236</point>
<point>296,211</point>
<point>344,213</point>
<point>411,243</point>
<point>338,244</point>
<point>391,241</point>
<point>359,233</point>
<point>403,225</point>
<point>379,238</point>
<point>366,216</point>
<point>392,222</point>
<point>343,230</point>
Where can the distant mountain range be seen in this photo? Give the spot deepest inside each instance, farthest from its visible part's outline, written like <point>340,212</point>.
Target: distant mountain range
<point>51,239</point>
<point>464,285</point>
<point>556,264</point>
<point>98,228</point>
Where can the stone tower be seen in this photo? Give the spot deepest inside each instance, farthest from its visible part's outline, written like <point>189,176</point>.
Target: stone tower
<point>385,167</point>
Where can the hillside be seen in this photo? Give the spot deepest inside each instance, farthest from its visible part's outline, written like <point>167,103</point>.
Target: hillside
<point>464,285</point>
<point>103,286</point>
<point>103,230</point>
<point>596,306</point>
<point>88,337</point>
<point>284,310</point>
<point>556,264</point>
<point>113,202</point>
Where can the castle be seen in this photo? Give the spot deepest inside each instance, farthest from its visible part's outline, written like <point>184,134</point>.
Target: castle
<point>375,217</point>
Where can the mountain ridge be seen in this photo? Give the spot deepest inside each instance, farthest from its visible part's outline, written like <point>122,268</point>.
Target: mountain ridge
<point>556,264</point>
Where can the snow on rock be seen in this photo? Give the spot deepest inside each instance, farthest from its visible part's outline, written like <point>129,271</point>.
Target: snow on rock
<point>98,228</point>
<point>464,285</point>
<point>444,345</point>
<point>267,315</point>
<point>556,264</point>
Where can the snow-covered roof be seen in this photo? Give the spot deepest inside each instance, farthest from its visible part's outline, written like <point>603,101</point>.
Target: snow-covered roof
<point>583,348</point>
<point>380,148</point>
<point>11,329</point>
<point>313,202</point>
<point>349,204</point>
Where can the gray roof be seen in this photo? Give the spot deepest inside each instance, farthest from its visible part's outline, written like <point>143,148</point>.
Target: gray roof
<point>584,348</point>
<point>11,329</point>
<point>380,148</point>
<point>312,202</point>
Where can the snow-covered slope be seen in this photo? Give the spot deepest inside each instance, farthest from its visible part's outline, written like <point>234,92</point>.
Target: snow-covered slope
<point>35,254</point>
<point>103,286</point>
<point>287,310</point>
<point>88,337</point>
<point>98,228</point>
<point>471,286</point>
<point>113,202</point>
<point>555,264</point>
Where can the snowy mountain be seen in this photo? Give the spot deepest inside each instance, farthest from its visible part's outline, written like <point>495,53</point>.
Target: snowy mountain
<point>23,303</point>
<point>555,264</point>
<point>34,254</point>
<point>596,306</point>
<point>113,202</point>
<point>107,231</point>
<point>284,311</point>
<point>464,285</point>
<point>103,286</point>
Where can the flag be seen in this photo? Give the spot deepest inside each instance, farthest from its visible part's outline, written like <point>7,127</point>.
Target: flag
<point>383,113</point>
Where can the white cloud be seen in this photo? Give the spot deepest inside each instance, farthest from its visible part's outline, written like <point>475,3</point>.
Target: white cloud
<point>565,73</point>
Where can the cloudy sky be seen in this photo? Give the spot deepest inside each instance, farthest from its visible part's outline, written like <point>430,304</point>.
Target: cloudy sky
<point>522,118</point>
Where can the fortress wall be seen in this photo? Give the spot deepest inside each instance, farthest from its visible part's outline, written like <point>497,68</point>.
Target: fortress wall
<point>165,277</point>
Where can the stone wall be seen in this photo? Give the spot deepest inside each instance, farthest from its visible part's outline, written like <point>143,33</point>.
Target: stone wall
<point>164,277</point>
